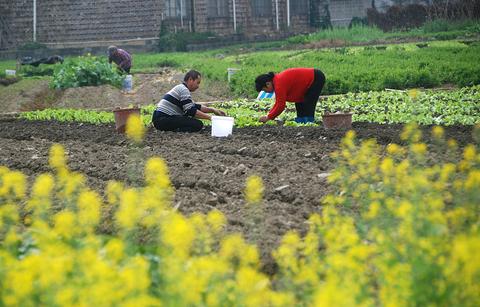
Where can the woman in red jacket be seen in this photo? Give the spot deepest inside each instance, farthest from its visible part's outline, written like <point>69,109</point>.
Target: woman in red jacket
<point>299,85</point>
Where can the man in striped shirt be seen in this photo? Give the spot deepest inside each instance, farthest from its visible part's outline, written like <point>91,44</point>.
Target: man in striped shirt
<point>178,112</point>
<point>120,57</point>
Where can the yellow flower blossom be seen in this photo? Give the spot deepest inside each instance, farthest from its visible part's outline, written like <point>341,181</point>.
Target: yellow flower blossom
<point>387,166</point>
<point>254,190</point>
<point>65,224</point>
<point>473,181</point>
<point>373,211</point>
<point>57,159</point>
<point>89,209</point>
<point>394,149</point>
<point>452,144</point>
<point>411,132</point>
<point>113,191</point>
<point>135,128</point>
<point>419,149</point>
<point>156,173</point>
<point>469,153</point>
<point>216,220</point>
<point>115,249</point>
<point>178,234</point>
<point>43,186</point>
<point>128,215</point>
<point>13,184</point>
<point>438,132</point>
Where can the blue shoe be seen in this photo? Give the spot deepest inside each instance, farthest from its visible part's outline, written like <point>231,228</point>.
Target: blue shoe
<point>300,120</point>
<point>309,119</point>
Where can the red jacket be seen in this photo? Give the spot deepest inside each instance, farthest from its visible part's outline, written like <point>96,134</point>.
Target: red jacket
<point>290,85</point>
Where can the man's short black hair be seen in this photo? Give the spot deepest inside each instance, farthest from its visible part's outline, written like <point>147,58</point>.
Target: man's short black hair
<point>192,74</point>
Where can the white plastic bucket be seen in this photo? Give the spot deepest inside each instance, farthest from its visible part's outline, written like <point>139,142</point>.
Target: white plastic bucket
<point>10,72</point>
<point>127,83</point>
<point>222,126</point>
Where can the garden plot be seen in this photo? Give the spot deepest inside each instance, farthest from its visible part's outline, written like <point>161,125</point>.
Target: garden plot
<point>206,172</point>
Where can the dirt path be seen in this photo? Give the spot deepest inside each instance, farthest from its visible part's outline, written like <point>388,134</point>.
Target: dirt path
<point>207,172</point>
<point>34,94</point>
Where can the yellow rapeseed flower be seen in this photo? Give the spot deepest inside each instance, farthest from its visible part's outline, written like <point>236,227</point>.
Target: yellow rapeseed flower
<point>394,149</point>
<point>128,215</point>
<point>373,210</point>
<point>135,129</point>
<point>13,184</point>
<point>113,191</point>
<point>473,181</point>
<point>469,153</point>
<point>43,186</point>
<point>438,132</point>
<point>387,166</point>
<point>65,225</point>
<point>89,204</point>
<point>254,190</point>
<point>253,285</point>
<point>115,249</point>
<point>178,234</point>
<point>452,144</point>
<point>411,132</point>
<point>57,159</point>
<point>156,173</point>
<point>216,220</point>
<point>419,149</point>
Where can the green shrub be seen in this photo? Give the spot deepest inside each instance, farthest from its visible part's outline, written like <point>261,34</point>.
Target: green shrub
<point>86,71</point>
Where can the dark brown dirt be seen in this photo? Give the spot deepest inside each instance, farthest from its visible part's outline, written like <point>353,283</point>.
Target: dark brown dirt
<point>207,172</point>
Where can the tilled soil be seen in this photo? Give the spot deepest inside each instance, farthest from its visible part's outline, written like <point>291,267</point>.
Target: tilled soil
<point>208,172</point>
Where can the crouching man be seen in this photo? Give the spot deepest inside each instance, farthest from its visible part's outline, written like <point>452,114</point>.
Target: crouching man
<point>178,112</point>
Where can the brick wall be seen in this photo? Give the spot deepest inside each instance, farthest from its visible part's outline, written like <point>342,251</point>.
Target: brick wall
<point>60,21</point>
<point>16,17</point>
<point>73,20</point>
<point>342,11</point>
<point>76,21</point>
<point>247,23</point>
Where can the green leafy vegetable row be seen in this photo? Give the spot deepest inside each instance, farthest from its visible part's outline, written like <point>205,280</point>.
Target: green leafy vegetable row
<point>460,106</point>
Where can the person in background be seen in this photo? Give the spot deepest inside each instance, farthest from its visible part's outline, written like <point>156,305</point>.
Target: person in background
<point>120,57</point>
<point>299,85</point>
<point>177,111</point>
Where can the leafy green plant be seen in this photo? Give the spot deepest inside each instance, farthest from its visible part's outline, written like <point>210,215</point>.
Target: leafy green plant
<point>85,71</point>
<point>461,106</point>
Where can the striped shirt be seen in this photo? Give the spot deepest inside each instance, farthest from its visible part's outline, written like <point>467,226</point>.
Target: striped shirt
<point>178,101</point>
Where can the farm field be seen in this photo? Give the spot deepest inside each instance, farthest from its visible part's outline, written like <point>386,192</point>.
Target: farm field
<point>277,214</point>
<point>208,173</point>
